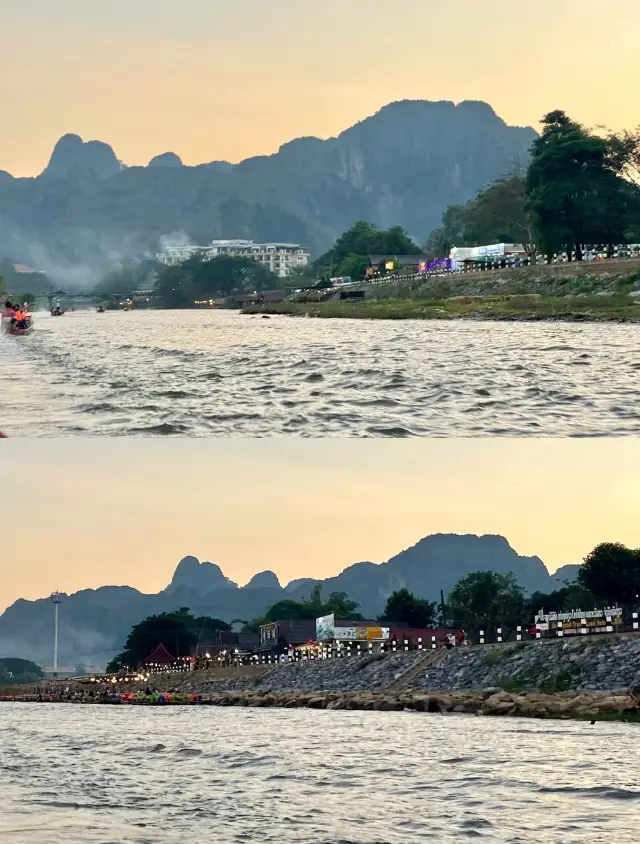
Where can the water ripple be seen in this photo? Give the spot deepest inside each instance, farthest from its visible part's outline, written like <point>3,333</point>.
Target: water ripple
<point>203,373</point>
<point>90,775</point>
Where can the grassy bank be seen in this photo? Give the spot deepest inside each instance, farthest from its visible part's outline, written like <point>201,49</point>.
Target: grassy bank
<point>614,308</point>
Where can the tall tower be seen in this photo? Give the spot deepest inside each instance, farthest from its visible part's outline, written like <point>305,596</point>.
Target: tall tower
<point>56,600</point>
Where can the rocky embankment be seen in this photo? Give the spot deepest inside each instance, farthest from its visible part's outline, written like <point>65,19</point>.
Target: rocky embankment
<point>370,673</point>
<point>582,278</point>
<point>581,706</point>
<point>592,663</point>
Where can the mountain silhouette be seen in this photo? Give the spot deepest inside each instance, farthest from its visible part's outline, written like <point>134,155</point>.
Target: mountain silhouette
<point>94,622</point>
<point>401,166</point>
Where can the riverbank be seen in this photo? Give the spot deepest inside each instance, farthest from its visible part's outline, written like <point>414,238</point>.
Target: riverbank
<point>588,706</point>
<point>619,308</point>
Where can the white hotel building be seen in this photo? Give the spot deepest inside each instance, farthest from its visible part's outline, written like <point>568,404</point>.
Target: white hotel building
<point>280,258</point>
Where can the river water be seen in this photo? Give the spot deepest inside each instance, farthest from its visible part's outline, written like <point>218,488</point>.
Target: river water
<point>110,775</point>
<point>204,373</point>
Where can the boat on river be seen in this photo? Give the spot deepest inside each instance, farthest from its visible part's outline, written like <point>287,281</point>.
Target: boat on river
<point>9,328</point>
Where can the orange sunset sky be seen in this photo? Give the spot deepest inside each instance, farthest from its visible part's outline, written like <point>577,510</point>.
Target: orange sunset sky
<point>98,511</point>
<point>227,79</point>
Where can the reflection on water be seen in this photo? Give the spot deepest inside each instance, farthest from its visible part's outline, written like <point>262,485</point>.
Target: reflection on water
<point>89,774</point>
<point>203,373</point>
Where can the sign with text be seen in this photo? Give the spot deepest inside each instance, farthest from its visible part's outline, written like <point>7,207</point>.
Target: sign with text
<point>571,622</point>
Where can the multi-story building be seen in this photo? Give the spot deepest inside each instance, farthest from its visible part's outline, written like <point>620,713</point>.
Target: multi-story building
<point>280,258</point>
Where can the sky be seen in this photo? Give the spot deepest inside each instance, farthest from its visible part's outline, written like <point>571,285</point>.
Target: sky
<point>82,513</point>
<point>228,79</point>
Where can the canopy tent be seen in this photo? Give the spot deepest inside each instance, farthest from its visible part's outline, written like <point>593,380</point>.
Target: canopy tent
<point>160,656</point>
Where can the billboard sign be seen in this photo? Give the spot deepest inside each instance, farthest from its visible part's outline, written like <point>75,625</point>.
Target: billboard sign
<point>325,628</point>
<point>572,622</point>
<point>345,634</point>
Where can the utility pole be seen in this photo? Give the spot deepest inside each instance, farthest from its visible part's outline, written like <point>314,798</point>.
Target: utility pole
<point>56,600</point>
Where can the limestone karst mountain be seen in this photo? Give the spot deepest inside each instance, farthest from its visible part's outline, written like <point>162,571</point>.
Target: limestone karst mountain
<point>95,622</point>
<point>401,166</point>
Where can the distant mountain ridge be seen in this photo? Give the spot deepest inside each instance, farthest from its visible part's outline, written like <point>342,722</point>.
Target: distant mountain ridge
<point>402,166</point>
<point>95,622</point>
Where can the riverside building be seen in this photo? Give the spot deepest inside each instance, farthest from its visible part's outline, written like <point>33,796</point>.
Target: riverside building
<point>280,258</point>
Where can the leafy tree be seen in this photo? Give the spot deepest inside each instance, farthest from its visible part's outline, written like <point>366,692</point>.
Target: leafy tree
<point>196,280</point>
<point>452,232</point>
<point>360,242</point>
<point>486,599</point>
<point>623,154</point>
<point>312,607</point>
<point>575,190</point>
<point>353,266</point>
<point>290,609</point>
<point>178,631</point>
<point>15,670</point>
<point>499,214</point>
<point>402,606</point>
<point>612,571</point>
<point>570,597</point>
<point>341,606</point>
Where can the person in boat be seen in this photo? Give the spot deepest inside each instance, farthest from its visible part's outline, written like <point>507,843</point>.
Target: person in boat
<point>9,311</point>
<point>21,319</point>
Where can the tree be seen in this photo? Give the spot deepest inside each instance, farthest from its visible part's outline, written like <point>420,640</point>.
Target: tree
<point>500,214</point>
<point>182,285</point>
<point>312,607</point>
<point>486,599</point>
<point>568,598</point>
<point>351,252</point>
<point>623,154</point>
<point>178,631</point>
<point>15,670</point>
<point>575,187</point>
<point>403,607</point>
<point>452,232</point>
<point>341,606</point>
<point>612,571</point>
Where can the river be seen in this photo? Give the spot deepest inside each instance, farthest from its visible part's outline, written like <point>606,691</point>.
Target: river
<point>207,373</point>
<point>116,775</point>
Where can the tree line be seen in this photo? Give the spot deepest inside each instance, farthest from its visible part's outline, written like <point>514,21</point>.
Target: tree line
<point>610,575</point>
<point>196,279</point>
<point>580,187</point>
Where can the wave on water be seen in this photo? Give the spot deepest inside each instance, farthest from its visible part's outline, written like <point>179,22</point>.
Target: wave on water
<point>225,375</point>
